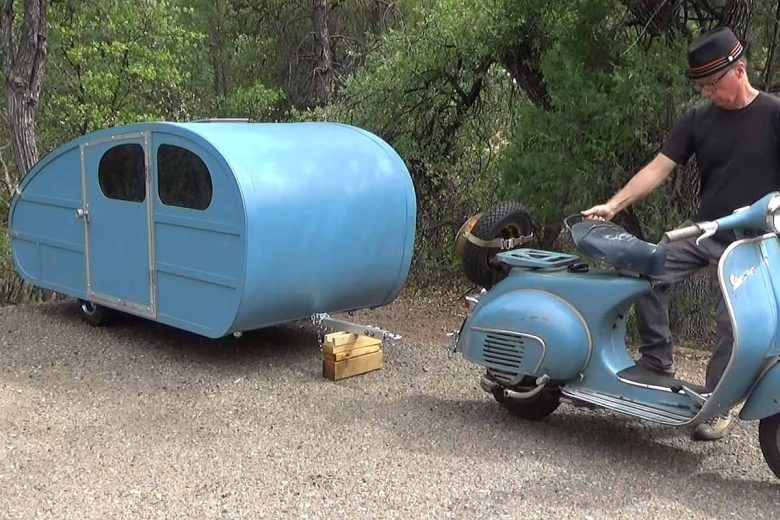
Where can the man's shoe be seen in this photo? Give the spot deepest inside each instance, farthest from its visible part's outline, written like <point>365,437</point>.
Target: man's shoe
<point>649,365</point>
<point>713,429</point>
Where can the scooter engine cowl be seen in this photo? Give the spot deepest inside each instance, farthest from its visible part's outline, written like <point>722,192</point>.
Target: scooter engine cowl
<point>526,333</point>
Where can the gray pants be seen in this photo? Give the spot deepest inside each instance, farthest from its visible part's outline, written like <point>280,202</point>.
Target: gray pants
<point>683,258</point>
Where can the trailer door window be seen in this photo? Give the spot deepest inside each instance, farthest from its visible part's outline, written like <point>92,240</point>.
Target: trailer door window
<point>182,178</point>
<point>122,173</point>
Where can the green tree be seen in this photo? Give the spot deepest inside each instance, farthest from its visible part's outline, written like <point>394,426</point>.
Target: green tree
<point>116,62</point>
<point>236,59</point>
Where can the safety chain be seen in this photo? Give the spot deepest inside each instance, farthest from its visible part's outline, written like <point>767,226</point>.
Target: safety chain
<point>316,320</point>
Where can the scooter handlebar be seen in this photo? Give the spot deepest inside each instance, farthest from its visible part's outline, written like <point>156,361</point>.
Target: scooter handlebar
<point>682,233</point>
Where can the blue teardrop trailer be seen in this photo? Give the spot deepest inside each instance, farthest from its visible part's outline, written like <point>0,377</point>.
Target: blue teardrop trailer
<point>218,227</point>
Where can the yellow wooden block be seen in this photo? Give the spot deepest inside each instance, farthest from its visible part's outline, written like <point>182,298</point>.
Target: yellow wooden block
<point>337,339</point>
<point>335,370</point>
<point>355,352</point>
<point>340,344</point>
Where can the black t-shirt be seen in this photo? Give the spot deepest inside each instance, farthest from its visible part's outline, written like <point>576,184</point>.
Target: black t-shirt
<point>738,153</point>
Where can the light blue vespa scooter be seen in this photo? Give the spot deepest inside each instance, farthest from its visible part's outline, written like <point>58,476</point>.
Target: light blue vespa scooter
<point>552,328</point>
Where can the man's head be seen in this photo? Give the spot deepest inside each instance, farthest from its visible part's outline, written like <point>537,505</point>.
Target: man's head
<point>718,68</point>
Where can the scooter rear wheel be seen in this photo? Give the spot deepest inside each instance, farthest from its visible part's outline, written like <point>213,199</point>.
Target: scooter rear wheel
<point>769,438</point>
<point>533,409</point>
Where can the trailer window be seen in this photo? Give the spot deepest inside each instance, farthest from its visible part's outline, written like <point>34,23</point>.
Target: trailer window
<point>183,179</point>
<point>122,173</point>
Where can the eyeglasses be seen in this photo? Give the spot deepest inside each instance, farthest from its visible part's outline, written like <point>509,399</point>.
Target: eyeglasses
<point>711,86</point>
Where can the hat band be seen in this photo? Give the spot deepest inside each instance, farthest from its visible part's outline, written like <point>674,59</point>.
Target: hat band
<point>717,63</point>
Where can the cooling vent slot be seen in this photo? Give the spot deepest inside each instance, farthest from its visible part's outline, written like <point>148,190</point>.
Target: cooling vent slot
<point>503,355</point>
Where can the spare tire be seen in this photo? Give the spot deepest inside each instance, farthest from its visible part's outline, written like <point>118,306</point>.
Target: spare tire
<point>505,220</point>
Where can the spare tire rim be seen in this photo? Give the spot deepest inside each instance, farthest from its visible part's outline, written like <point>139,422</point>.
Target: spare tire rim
<point>460,236</point>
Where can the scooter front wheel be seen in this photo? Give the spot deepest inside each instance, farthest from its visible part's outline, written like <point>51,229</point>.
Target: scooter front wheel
<point>532,409</point>
<point>769,438</point>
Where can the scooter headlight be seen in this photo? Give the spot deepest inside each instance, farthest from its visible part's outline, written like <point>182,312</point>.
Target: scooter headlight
<point>773,214</point>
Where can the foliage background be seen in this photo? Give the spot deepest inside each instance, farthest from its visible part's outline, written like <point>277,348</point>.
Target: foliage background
<point>553,103</point>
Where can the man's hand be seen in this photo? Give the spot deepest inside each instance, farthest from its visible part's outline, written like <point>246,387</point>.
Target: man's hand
<point>600,212</point>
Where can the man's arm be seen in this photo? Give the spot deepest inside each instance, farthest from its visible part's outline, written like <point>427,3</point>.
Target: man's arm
<point>640,185</point>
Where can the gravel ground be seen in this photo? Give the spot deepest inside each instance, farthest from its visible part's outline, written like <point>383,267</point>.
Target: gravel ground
<point>144,421</point>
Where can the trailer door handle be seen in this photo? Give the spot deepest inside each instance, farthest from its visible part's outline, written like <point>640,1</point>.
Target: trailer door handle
<point>82,213</point>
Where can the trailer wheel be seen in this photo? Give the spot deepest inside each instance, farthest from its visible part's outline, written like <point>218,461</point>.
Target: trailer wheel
<point>506,220</point>
<point>94,314</point>
<point>769,439</point>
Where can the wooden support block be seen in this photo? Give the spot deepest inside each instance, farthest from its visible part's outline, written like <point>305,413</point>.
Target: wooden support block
<point>355,352</point>
<point>344,342</point>
<point>335,370</point>
<point>337,339</point>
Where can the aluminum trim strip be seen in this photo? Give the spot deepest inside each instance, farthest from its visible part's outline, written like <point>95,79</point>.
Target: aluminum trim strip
<point>150,225</point>
<point>51,201</point>
<point>113,138</point>
<point>85,204</point>
<point>196,223</point>
<point>122,305</point>
<point>201,276</point>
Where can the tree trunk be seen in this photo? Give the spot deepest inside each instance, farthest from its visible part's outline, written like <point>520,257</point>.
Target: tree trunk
<point>23,56</point>
<point>737,14</point>
<point>217,49</point>
<point>379,10</point>
<point>655,17</point>
<point>323,71</point>
<point>522,62</point>
<point>770,59</point>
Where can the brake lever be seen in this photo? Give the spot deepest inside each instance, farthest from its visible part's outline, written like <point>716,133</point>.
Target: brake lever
<point>709,228</point>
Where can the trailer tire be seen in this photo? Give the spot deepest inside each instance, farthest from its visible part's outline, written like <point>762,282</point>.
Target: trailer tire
<point>508,219</point>
<point>94,314</point>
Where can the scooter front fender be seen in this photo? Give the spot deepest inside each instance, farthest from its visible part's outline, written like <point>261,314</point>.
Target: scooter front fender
<point>764,399</point>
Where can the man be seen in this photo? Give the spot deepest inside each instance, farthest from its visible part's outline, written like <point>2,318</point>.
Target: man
<point>736,139</point>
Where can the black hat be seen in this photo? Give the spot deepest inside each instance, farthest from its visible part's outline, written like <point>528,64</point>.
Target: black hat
<point>713,51</point>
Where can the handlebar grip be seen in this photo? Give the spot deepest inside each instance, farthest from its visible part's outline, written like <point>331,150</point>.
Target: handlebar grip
<point>682,233</point>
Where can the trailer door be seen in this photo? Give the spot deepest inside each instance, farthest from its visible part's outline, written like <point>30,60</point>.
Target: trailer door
<point>116,185</point>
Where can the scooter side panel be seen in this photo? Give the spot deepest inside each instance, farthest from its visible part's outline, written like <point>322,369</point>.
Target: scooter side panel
<point>745,280</point>
<point>527,332</point>
<point>764,400</point>
<point>555,307</point>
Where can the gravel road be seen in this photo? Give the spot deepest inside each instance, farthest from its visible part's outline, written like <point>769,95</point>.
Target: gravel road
<point>144,421</point>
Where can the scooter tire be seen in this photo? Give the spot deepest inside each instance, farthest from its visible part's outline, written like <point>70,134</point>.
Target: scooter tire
<point>769,439</point>
<point>533,409</point>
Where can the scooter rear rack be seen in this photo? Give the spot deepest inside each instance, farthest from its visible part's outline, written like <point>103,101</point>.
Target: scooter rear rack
<point>537,259</point>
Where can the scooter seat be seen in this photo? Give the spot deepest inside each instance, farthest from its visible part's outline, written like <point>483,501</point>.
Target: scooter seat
<point>611,244</point>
